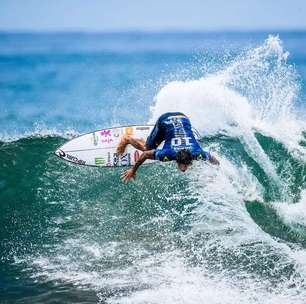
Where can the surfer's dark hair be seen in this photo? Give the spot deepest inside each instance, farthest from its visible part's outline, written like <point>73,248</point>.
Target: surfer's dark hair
<point>184,157</point>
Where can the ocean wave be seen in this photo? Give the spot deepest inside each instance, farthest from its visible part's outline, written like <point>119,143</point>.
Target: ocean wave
<point>234,232</point>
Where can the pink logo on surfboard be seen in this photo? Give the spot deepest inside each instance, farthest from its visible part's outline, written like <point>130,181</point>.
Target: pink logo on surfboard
<point>105,133</point>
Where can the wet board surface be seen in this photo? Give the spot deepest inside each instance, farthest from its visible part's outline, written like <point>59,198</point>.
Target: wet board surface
<point>98,148</point>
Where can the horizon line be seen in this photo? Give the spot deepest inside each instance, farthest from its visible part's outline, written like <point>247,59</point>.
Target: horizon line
<point>149,31</point>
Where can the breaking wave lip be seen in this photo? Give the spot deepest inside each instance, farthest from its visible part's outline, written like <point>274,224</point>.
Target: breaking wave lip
<point>258,89</point>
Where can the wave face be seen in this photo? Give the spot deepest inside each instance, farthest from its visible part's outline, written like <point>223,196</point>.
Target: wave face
<point>236,233</point>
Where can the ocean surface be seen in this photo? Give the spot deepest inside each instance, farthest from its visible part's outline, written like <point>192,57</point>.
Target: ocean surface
<point>234,234</point>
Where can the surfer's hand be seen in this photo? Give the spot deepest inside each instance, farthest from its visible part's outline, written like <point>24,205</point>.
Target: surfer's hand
<point>127,175</point>
<point>213,160</point>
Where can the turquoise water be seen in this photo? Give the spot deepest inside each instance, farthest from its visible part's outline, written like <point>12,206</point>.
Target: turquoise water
<point>79,235</point>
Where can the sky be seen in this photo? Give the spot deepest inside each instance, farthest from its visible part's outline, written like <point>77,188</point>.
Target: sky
<point>152,15</point>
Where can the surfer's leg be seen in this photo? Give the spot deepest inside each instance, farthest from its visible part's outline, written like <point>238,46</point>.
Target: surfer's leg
<point>137,143</point>
<point>157,135</point>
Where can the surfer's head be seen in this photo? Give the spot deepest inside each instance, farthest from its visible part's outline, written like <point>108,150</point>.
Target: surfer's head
<point>183,159</point>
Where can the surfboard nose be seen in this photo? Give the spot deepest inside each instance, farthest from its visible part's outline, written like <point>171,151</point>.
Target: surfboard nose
<point>60,153</point>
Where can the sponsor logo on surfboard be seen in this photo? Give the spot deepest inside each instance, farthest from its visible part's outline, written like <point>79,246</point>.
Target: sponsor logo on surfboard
<point>106,133</point>
<point>125,159</point>
<point>61,153</point>
<point>95,138</point>
<point>106,140</point>
<point>115,159</point>
<point>142,128</point>
<point>122,160</point>
<point>128,131</point>
<point>71,158</point>
<point>99,161</point>
<point>117,132</point>
<point>109,162</point>
<point>75,159</point>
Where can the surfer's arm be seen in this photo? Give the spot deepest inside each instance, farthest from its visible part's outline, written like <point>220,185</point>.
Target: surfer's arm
<point>209,157</point>
<point>131,173</point>
<point>143,157</point>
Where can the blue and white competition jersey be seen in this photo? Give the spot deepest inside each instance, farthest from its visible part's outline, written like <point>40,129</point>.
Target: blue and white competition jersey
<point>178,135</point>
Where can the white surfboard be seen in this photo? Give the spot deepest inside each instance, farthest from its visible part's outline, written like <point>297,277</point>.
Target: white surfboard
<point>98,148</point>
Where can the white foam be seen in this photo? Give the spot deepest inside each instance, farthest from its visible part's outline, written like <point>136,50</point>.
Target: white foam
<point>293,213</point>
<point>210,105</point>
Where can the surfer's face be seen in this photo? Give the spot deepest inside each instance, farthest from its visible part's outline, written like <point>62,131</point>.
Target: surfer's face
<point>182,167</point>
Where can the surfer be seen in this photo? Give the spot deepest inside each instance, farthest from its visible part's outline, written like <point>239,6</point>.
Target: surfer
<point>180,144</point>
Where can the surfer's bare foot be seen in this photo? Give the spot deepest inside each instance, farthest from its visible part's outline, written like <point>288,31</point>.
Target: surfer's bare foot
<point>122,145</point>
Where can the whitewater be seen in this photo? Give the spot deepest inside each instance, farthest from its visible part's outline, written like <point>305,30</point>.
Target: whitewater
<point>233,234</point>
